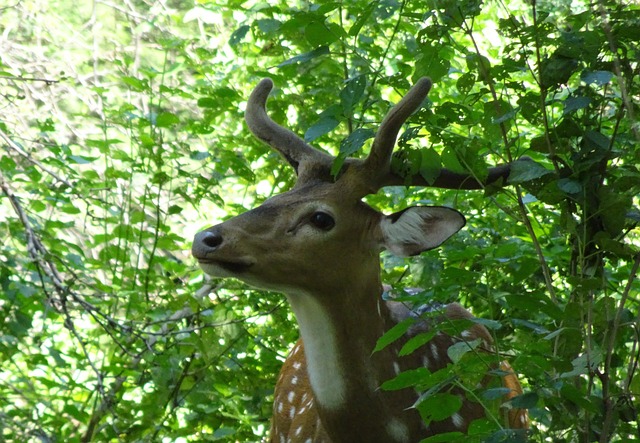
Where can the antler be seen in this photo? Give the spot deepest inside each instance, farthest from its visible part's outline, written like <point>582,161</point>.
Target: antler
<point>361,177</point>
<point>378,162</point>
<point>295,150</point>
<point>376,169</point>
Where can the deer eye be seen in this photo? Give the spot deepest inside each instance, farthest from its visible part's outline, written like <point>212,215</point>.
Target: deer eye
<point>322,220</point>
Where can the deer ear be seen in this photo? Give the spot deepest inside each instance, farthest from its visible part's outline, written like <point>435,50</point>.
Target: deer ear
<point>417,229</point>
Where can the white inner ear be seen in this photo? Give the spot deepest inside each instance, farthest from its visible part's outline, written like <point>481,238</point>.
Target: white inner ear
<point>418,229</point>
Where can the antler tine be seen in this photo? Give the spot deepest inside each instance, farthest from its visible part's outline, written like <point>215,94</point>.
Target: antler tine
<point>379,159</point>
<point>292,147</point>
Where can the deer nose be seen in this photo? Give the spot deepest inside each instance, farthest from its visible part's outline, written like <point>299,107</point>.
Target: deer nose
<point>206,242</point>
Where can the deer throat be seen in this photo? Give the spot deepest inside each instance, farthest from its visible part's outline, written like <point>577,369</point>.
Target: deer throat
<point>344,373</point>
<point>326,371</point>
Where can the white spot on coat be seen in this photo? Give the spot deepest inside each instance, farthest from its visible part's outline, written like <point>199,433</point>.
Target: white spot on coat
<point>457,420</point>
<point>434,352</point>
<point>397,430</point>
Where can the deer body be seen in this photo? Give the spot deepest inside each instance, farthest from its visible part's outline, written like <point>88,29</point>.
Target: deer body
<point>364,413</point>
<point>319,244</point>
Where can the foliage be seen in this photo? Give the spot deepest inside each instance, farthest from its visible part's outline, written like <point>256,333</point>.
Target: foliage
<point>122,136</point>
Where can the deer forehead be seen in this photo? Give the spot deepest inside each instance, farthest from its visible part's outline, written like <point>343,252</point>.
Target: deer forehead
<point>290,208</point>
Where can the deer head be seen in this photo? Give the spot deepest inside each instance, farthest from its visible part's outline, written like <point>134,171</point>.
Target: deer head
<point>319,244</point>
<point>321,229</point>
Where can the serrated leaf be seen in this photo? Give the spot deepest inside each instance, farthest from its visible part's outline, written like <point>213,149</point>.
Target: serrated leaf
<point>430,165</point>
<point>569,186</point>
<point>207,102</point>
<point>318,34</point>
<point>102,144</point>
<point>416,342</point>
<point>323,126</point>
<point>238,35</point>
<point>307,56</point>
<point>525,401</point>
<point>352,93</point>
<point>524,171</point>
<point>443,438</point>
<point>530,325</point>
<point>406,379</point>
<point>430,64</point>
<point>495,393</point>
<point>573,104</point>
<point>355,141</point>
<point>507,436</point>
<point>81,160</point>
<point>599,78</point>
<point>166,120</point>
<point>456,351</point>
<point>440,406</point>
<point>596,140</point>
<point>146,140</point>
<point>393,334</point>
<point>465,82</point>
<point>7,163</point>
<point>362,19</point>
<point>487,323</point>
<point>135,83</point>
<point>268,25</point>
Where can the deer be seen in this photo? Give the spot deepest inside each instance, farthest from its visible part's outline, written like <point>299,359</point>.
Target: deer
<point>319,244</point>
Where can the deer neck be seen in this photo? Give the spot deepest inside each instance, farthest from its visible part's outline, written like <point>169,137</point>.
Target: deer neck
<point>339,332</point>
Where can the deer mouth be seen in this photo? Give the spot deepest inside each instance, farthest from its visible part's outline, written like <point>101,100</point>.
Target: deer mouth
<point>235,267</point>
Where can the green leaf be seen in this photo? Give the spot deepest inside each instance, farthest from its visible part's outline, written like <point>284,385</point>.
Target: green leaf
<point>135,83</point>
<point>492,325</point>
<point>430,165</point>
<point>596,140</point>
<point>556,70</point>
<point>307,56</point>
<point>268,25</point>
<point>444,438</point>
<point>393,334</point>
<point>416,342</point>
<point>495,393</point>
<point>362,18</point>
<point>317,34</point>
<point>466,82</point>
<point>81,160</point>
<point>238,35</point>
<point>7,163</point>
<point>524,171</point>
<point>102,145</point>
<point>352,93</point>
<point>407,379</point>
<point>573,104</point>
<point>207,102</point>
<point>598,78</point>
<point>323,126</point>
<point>166,120</point>
<point>525,401</point>
<point>429,63</point>
<point>569,186</point>
<point>354,142</point>
<point>439,406</point>
<point>456,351</point>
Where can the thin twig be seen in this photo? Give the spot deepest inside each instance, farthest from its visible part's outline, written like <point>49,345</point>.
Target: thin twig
<point>14,146</point>
<point>48,81</point>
